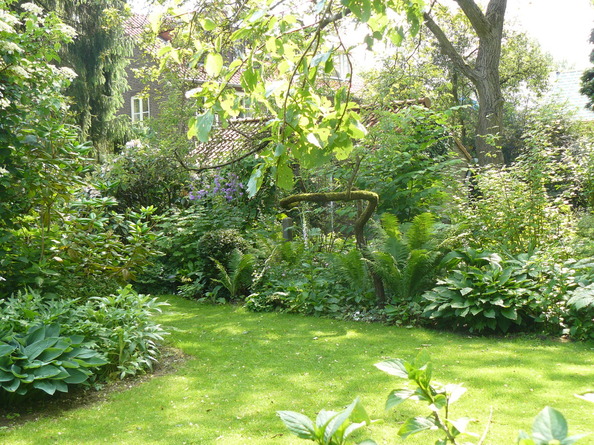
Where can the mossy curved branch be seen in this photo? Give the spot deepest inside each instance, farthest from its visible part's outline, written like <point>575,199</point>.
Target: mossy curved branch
<point>372,199</point>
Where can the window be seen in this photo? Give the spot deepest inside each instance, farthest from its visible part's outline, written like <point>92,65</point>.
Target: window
<point>140,108</point>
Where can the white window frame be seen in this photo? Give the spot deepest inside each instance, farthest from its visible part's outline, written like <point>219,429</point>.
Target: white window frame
<point>140,108</point>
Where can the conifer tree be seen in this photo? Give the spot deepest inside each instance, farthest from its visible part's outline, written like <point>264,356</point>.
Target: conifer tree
<point>99,56</point>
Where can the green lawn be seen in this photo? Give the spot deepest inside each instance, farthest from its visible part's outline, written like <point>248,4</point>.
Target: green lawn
<point>246,366</point>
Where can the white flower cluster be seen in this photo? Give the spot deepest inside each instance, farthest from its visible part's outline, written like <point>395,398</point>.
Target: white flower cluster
<point>32,8</point>
<point>8,47</point>
<point>134,143</point>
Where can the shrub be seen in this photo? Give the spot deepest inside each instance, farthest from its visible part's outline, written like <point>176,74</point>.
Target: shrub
<point>313,282</point>
<point>42,360</point>
<point>484,293</point>
<point>182,229</point>
<point>119,326</point>
<point>217,246</point>
<point>143,176</point>
<point>580,315</point>
<point>237,276</point>
<point>408,167</point>
<point>91,250</point>
<point>124,330</point>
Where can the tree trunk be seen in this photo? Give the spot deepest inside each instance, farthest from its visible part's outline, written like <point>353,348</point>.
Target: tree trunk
<point>484,75</point>
<point>488,86</point>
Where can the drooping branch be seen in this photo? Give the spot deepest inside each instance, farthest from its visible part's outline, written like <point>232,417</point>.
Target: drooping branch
<point>322,198</point>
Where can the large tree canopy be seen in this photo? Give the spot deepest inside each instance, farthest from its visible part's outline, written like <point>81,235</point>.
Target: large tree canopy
<point>282,58</point>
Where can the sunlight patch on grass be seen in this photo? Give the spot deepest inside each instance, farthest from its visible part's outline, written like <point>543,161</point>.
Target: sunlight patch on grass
<point>247,366</point>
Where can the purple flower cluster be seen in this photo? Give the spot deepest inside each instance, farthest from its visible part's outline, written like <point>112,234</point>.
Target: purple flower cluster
<point>228,187</point>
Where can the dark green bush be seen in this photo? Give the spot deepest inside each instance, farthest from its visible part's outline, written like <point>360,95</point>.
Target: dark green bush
<point>218,245</point>
<point>119,326</point>
<point>43,361</point>
<point>484,293</point>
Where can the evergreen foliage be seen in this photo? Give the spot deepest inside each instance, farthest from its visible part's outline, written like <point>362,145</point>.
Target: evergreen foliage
<point>99,56</point>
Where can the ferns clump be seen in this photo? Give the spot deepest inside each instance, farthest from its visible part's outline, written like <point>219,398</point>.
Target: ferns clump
<point>404,257</point>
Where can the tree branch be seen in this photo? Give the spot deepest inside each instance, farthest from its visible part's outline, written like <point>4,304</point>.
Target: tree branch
<point>372,201</point>
<point>449,49</point>
<point>477,19</point>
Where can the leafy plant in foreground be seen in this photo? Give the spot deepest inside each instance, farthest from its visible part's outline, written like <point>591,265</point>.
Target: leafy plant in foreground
<point>438,397</point>
<point>43,361</point>
<point>330,427</point>
<point>549,428</point>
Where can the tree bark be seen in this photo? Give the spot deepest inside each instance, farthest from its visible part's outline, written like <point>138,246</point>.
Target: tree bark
<point>485,73</point>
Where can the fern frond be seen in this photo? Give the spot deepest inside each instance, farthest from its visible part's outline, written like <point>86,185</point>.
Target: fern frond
<point>397,249</point>
<point>418,272</point>
<point>420,231</point>
<point>353,265</point>
<point>390,225</point>
<point>240,269</point>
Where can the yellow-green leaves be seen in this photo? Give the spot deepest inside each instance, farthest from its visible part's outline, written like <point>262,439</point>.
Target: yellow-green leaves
<point>201,125</point>
<point>213,64</point>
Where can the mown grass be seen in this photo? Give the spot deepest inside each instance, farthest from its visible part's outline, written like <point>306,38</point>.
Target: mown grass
<point>246,366</point>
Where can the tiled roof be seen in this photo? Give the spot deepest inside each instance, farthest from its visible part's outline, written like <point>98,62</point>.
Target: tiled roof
<point>565,90</point>
<point>243,136</point>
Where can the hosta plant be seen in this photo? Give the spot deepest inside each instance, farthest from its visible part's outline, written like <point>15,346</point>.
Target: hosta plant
<point>483,292</point>
<point>41,361</point>
<point>330,427</point>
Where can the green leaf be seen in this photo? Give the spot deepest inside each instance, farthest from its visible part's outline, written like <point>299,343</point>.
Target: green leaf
<point>249,79</point>
<point>489,313</point>
<point>395,367</point>
<point>203,125</point>
<point>50,354</point>
<point>11,386</point>
<point>256,179</point>
<point>461,424</point>
<point>6,349</point>
<point>284,175</point>
<point>356,129</point>
<point>320,58</point>
<point>548,425</point>
<point>45,372</point>
<point>208,24</point>
<point>397,397</point>
<point>415,425</point>
<point>509,313</point>
<point>76,376</point>
<point>213,64</point>
<point>298,424</point>
<point>34,350</point>
<point>47,386</point>
<point>5,376</point>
